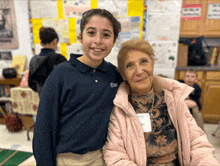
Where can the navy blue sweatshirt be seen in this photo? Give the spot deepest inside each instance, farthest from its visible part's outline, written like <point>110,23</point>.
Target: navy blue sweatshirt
<point>74,110</point>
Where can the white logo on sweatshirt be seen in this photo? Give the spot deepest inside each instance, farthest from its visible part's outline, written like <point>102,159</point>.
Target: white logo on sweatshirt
<point>114,85</point>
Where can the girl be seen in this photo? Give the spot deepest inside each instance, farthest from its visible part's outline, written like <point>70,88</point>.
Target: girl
<point>77,98</point>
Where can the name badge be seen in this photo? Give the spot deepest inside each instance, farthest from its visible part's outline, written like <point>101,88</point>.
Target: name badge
<point>145,121</point>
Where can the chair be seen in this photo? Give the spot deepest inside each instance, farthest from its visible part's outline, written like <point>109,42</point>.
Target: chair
<point>25,102</point>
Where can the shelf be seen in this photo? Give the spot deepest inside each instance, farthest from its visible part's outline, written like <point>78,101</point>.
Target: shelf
<point>12,81</point>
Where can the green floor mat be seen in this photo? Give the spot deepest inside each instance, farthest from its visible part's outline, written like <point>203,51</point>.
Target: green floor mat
<point>12,157</point>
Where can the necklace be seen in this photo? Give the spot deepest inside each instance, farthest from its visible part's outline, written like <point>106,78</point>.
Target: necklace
<point>150,111</point>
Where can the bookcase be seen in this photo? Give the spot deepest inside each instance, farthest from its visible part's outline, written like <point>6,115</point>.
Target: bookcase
<point>13,81</point>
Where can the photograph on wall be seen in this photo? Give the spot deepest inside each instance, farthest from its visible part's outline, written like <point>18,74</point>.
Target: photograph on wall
<point>5,56</point>
<point>8,30</point>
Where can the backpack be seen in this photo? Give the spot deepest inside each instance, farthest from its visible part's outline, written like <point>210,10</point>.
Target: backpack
<point>46,67</point>
<point>196,52</point>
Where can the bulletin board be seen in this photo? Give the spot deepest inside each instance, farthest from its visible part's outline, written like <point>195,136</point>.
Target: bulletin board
<point>64,16</point>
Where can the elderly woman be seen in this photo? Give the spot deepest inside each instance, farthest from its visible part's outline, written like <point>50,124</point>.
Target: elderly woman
<point>150,123</point>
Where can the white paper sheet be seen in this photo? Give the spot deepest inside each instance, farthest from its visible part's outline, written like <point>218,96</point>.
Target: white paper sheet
<point>73,8</point>
<point>213,11</point>
<point>116,7</point>
<point>165,29</point>
<point>158,6</point>
<point>165,53</point>
<point>43,9</point>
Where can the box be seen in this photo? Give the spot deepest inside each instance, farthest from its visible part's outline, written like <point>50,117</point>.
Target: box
<point>182,57</point>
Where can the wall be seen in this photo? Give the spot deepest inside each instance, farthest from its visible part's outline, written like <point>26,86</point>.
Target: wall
<point>23,30</point>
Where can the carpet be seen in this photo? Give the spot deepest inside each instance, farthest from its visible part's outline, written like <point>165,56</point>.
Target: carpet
<point>12,157</point>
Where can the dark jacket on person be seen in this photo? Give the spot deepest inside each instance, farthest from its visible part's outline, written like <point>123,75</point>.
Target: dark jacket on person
<point>41,66</point>
<point>195,95</point>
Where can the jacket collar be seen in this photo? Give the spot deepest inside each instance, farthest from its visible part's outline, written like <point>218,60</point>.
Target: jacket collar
<point>83,67</point>
<point>46,51</point>
<point>179,91</point>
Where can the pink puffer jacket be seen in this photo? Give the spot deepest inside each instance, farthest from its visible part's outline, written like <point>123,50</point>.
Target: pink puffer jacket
<point>126,144</point>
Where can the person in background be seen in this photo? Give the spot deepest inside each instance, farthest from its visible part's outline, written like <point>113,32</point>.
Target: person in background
<point>77,98</point>
<point>150,123</point>
<point>49,40</point>
<point>193,100</point>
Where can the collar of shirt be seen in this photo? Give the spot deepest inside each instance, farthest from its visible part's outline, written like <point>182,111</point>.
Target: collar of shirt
<point>83,67</point>
<point>45,51</point>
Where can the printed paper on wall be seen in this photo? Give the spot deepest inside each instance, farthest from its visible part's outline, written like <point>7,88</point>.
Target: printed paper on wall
<point>165,53</point>
<point>43,9</point>
<point>116,7</point>
<point>165,29</point>
<point>158,6</point>
<point>61,27</point>
<point>213,11</point>
<point>130,28</point>
<point>73,8</point>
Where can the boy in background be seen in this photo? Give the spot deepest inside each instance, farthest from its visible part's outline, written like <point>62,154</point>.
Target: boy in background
<point>193,101</point>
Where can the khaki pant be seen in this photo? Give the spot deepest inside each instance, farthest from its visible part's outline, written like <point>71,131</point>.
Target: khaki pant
<point>198,117</point>
<point>94,158</point>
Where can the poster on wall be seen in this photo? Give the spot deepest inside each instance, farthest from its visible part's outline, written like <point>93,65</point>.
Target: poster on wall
<point>165,53</point>
<point>61,26</point>
<point>43,9</point>
<point>164,6</point>
<point>114,5</point>
<point>8,29</point>
<point>165,29</point>
<point>130,28</point>
<point>73,8</point>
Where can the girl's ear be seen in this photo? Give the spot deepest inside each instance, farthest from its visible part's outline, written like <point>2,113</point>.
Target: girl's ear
<point>80,38</point>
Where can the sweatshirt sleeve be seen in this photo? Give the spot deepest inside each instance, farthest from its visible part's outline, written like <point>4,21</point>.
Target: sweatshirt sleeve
<point>45,130</point>
<point>114,150</point>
